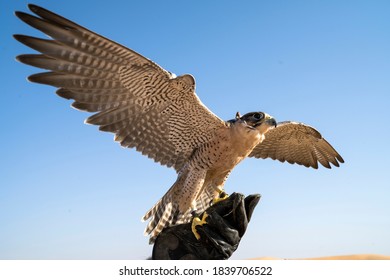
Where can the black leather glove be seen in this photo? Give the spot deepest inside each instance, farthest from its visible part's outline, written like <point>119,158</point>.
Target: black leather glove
<point>227,221</point>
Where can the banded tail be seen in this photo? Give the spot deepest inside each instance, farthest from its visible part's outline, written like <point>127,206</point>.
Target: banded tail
<point>165,212</point>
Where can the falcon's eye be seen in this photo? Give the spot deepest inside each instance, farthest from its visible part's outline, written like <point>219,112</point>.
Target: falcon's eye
<point>258,116</point>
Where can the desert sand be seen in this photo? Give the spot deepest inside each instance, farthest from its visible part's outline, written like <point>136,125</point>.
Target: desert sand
<point>342,257</point>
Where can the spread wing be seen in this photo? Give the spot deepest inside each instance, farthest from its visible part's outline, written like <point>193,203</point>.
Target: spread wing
<point>147,107</point>
<point>297,143</point>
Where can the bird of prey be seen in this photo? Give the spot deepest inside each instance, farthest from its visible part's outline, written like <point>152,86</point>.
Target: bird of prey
<point>159,114</point>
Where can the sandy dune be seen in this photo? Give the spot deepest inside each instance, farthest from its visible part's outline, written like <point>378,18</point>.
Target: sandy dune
<point>344,257</point>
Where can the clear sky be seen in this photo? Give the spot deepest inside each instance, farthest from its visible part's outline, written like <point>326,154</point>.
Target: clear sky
<point>68,191</point>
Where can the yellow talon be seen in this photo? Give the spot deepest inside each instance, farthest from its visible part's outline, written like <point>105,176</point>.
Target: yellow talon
<point>198,222</point>
<point>222,196</point>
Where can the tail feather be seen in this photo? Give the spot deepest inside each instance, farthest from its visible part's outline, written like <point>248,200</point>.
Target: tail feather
<point>202,203</point>
<point>163,222</point>
<point>166,212</point>
<point>155,214</point>
<point>151,212</point>
<point>163,214</point>
<point>205,198</point>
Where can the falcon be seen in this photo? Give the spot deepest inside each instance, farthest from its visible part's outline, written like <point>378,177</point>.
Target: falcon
<point>160,115</point>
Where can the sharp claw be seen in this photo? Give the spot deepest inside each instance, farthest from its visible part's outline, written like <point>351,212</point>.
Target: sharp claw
<point>198,222</point>
<point>222,196</point>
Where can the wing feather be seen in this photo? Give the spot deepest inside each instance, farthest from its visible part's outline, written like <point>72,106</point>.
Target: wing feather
<point>297,143</point>
<point>147,107</point>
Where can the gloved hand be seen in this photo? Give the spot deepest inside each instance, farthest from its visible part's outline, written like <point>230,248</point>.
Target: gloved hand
<point>227,221</point>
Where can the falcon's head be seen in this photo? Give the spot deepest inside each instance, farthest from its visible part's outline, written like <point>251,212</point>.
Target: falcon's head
<point>257,120</point>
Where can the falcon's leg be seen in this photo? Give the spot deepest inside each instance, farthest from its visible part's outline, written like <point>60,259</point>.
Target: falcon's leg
<point>219,183</point>
<point>216,190</point>
<point>198,222</point>
<point>222,196</point>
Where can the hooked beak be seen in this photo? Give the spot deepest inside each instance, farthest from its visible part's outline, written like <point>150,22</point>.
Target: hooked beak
<point>271,122</point>
<point>268,120</point>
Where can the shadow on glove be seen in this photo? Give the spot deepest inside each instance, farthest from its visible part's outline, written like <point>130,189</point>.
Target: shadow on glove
<point>227,221</point>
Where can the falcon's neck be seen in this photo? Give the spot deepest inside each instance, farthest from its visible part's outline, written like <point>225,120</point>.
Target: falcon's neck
<point>244,138</point>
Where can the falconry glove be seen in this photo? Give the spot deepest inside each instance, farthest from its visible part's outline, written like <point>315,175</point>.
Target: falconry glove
<point>226,223</point>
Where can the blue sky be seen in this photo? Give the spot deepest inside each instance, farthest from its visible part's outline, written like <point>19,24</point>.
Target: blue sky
<point>68,191</point>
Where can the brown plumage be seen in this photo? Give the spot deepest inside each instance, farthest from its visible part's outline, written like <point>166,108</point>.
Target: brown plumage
<point>159,114</point>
